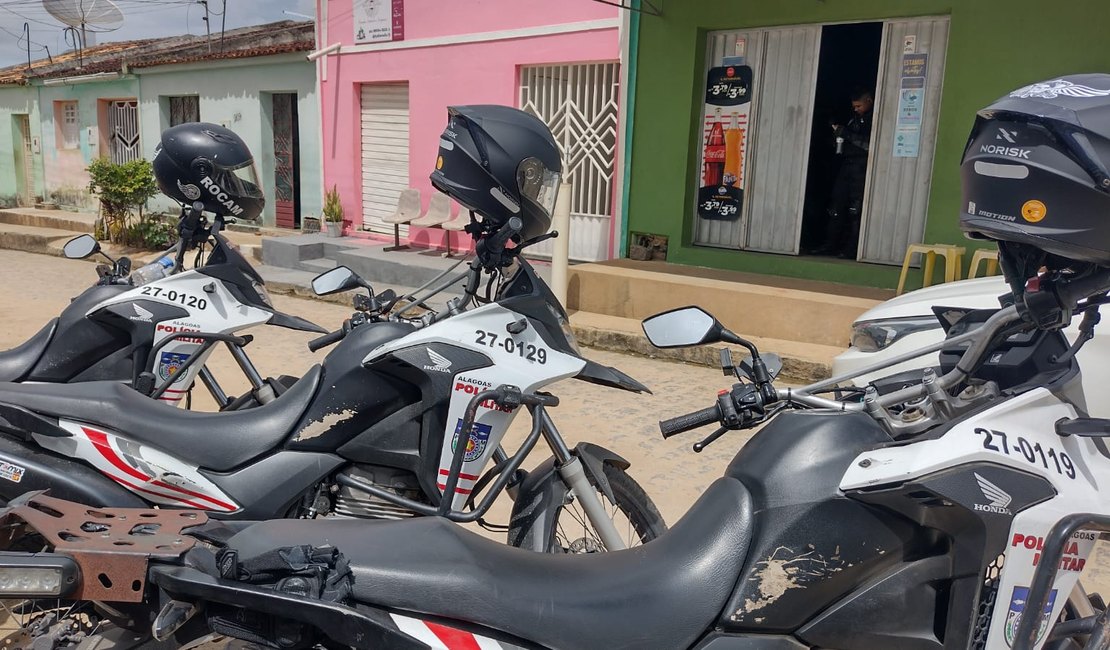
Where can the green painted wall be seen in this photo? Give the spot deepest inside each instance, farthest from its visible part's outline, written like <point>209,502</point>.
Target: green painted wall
<point>64,174</point>
<point>237,95</point>
<point>994,46</point>
<point>16,101</point>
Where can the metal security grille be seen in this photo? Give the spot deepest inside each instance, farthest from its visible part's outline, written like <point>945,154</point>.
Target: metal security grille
<point>123,131</point>
<point>385,153</point>
<point>184,109</point>
<point>578,102</point>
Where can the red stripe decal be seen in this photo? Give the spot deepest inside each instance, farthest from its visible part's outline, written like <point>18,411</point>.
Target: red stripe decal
<point>469,477</point>
<point>124,483</point>
<point>460,490</point>
<point>195,494</point>
<point>172,390</point>
<point>100,441</point>
<point>452,638</point>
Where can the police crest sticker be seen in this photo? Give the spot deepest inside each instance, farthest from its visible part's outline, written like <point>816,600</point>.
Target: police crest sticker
<point>479,436</point>
<point>170,362</point>
<point>1017,606</point>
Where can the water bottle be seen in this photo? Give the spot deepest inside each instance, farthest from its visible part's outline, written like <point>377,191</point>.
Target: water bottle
<point>156,270</point>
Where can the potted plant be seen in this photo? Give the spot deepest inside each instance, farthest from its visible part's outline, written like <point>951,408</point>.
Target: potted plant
<point>333,212</point>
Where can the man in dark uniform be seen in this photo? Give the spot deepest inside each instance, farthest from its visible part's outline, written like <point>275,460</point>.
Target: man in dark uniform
<point>853,142</point>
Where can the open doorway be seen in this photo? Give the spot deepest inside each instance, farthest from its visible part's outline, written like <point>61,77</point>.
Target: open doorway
<point>848,65</point>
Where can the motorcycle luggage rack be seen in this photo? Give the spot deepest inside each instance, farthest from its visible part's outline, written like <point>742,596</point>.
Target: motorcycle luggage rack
<point>1098,627</point>
<point>504,395</point>
<point>112,547</point>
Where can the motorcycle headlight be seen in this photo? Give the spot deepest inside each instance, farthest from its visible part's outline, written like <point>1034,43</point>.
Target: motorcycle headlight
<point>564,325</point>
<point>261,290</point>
<point>874,335</point>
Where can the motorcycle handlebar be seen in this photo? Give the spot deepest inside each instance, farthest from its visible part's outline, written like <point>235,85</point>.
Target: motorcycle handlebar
<point>327,339</point>
<point>683,423</point>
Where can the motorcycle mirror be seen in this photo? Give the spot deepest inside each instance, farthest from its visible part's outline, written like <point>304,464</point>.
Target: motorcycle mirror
<point>81,247</point>
<point>338,279</point>
<point>682,327</point>
<point>771,360</point>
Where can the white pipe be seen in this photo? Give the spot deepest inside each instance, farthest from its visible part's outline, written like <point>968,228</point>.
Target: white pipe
<point>560,254</point>
<point>334,47</point>
<point>80,79</point>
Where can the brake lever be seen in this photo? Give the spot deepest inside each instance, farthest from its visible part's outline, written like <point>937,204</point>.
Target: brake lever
<point>708,440</point>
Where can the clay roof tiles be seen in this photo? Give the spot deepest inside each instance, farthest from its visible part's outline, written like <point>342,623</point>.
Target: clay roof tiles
<point>121,56</point>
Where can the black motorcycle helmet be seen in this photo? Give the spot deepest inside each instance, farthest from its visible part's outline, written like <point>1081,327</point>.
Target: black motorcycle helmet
<point>207,163</point>
<point>501,163</point>
<point>1036,179</point>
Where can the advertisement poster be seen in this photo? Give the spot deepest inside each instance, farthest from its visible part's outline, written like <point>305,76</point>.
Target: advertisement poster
<point>377,21</point>
<point>728,96</point>
<point>911,105</point>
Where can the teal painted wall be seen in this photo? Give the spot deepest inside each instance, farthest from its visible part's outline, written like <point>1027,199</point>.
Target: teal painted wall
<point>17,101</point>
<point>65,178</point>
<point>994,46</point>
<point>237,95</point>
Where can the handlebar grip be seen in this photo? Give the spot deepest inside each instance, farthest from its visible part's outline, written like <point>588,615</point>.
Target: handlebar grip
<point>327,339</point>
<point>689,421</point>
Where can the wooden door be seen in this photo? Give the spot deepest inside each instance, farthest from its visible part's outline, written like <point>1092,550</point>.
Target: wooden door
<point>286,185</point>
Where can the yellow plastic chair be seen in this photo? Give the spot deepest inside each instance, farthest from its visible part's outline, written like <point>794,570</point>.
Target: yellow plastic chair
<point>983,255</point>
<point>953,262</point>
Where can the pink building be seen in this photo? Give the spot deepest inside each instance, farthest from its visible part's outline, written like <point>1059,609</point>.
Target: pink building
<point>393,67</point>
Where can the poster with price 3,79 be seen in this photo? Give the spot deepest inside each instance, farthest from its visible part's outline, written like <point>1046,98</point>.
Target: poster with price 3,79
<point>728,97</point>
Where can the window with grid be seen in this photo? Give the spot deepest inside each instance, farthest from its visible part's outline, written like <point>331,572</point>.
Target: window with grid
<point>69,127</point>
<point>184,109</point>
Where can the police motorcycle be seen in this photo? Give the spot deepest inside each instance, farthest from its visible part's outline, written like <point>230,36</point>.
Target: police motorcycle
<point>155,327</point>
<point>384,427</point>
<point>947,514</point>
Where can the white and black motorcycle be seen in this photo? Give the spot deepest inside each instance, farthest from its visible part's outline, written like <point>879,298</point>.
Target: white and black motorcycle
<point>157,334</point>
<point>380,429</point>
<point>950,514</point>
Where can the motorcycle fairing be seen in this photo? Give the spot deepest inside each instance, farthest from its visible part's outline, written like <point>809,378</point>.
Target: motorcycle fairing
<point>523,359</point>
<point>1027,423</point>
<point>205,304</point>
<point>154,475</point>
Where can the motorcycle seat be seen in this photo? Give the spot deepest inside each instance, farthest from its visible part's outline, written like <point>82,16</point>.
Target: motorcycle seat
<point>216,441</point>
<point>16,363</point>
<point>663,594</point>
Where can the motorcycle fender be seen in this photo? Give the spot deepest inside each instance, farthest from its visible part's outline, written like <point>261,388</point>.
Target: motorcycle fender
<point>543,491</point>
<point>27,468</point>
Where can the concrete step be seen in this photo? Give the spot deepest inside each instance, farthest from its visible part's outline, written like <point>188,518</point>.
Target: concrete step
<point>70,222</point>
<point>34,239</point>
<point>368,258</point>
<point>803,363</point>
<point>775,312</point>
<point>299,283</point>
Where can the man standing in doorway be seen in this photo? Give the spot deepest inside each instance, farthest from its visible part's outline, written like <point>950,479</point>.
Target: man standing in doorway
<point>853,143</point>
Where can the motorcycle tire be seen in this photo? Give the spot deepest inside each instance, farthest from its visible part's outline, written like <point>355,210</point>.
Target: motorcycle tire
<point>644,523</point>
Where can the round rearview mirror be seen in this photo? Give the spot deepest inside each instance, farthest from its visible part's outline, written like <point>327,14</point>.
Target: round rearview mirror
<point>680,327</point>
<point>81,247</point>
<point>338,279</point>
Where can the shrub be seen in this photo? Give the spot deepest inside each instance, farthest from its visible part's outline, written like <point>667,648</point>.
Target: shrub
<point>123,190</point>
<point>333,209</point>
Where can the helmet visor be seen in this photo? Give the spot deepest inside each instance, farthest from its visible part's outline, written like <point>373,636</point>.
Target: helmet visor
<point>240,181</point>
<point>538,183</point>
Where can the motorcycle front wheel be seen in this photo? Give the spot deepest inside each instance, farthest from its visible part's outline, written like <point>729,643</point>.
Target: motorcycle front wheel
<point>633,513</point>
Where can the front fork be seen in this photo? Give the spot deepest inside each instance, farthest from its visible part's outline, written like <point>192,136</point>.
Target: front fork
<point>570,470</point>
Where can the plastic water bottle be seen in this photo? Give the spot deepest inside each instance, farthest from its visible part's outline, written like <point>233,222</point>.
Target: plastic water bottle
<point>156,270</point>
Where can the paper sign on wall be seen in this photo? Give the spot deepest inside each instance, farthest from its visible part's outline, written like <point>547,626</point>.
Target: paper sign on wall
<point>728,96</point>
<point>378,21</point>
<point>911,105</point>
